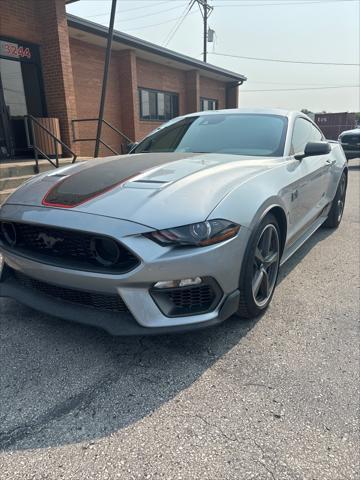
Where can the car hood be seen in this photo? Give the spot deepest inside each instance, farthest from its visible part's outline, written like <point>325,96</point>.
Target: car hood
<point>158,190</point>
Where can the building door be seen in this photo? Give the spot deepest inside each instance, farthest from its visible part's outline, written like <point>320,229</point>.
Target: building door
<point>21,94</point>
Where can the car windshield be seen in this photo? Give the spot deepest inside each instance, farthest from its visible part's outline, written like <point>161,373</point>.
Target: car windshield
<point>238,134</point>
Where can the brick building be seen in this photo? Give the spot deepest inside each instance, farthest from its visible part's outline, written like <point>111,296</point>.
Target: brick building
<point>332,124</point>
<point>51,65</point>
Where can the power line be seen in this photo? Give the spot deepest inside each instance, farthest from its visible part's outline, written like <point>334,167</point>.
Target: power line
<point>284,61</point>
<point>282,3</point>
<point>151,14</point>
<point>176,28</point>
<point>141,16</point>
<point>156,24</point>
<point>300,89</point>
<point>124,11</point>
<point>291,84</point>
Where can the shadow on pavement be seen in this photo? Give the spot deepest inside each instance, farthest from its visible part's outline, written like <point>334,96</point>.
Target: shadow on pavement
<point>63,383</point>
<point>318,236</point>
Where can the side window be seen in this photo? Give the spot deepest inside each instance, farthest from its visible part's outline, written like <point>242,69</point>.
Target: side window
<point>208,104</point>
<point>157,105</point>
<point>303,133</point>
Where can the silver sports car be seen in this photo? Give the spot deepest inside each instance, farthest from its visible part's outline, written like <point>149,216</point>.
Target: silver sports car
<point>188,229</point>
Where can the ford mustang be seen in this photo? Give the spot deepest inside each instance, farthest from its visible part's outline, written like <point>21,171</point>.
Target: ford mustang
<point>188,229</point>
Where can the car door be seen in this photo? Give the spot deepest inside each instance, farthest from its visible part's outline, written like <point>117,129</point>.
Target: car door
<point>309,195</point>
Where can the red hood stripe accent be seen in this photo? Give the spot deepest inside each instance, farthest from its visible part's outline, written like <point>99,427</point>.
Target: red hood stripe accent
<point>47,203</point>
<point>95,179</point>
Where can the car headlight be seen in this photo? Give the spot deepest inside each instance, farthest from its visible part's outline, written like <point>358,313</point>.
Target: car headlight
<point>197,234</point>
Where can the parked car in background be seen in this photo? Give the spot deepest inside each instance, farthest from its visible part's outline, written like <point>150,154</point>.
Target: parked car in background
<point>350,142</point>
<point>187,230</point>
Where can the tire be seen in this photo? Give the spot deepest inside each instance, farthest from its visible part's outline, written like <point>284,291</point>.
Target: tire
<point>260,269</point>
<point>337,205</point>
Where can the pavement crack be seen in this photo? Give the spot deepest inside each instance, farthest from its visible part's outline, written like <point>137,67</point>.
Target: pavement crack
<point>219,429</point>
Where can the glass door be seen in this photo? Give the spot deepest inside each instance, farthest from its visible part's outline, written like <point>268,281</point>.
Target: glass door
<point>15,100</point>
<point>21,94</point>
<point>6,144</point>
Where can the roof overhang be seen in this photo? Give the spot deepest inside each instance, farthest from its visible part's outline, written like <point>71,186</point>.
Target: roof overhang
<point>96,34</point>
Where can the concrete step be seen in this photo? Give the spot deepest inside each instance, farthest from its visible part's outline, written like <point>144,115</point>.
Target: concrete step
<point>12,182</point>
<point>13,174</point>
<point>5,193</point>
<point>22,168</point>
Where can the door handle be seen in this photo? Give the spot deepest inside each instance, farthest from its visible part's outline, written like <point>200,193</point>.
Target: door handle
<point>329,162</point>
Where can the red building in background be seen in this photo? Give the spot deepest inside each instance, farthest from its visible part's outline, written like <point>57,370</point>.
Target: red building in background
<point>51,65</point>
<point>332,124</point>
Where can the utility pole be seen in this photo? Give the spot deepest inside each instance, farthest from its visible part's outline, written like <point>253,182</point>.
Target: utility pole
<point>205,10</point>
<point>205,31</point>
<point>105,77</point>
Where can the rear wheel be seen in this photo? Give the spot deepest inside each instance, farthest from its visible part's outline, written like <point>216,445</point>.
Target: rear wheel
<point>260,270</point>
<point>337,206</point>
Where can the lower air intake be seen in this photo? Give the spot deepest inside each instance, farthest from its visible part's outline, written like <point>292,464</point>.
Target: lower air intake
<point>98,301</point>
<point>191,300</point>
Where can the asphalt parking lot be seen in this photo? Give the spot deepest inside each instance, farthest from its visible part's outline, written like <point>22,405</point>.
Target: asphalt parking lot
<point>274,399</point>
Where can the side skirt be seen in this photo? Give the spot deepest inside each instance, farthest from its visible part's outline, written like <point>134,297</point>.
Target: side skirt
<point>306,235</point>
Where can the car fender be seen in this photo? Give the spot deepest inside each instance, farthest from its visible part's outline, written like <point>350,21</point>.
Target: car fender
<point>248,204</point>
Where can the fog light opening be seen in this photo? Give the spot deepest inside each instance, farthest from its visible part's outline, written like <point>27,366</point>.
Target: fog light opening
<point>105,251</point>
<point>185,282</point>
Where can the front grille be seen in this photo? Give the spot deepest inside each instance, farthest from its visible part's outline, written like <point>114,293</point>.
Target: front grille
<point>192,300</point>
<point>63,247</point>
<point>112,303</point>
<point>351,140</point>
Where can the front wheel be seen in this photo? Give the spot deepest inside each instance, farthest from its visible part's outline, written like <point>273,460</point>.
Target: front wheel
<point>260,270</point>
<point>337,206</point>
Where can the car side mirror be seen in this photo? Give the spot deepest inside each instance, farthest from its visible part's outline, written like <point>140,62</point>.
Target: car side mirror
<point>313,149</point>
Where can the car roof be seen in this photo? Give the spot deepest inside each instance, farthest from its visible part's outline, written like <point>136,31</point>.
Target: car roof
<point>351,132</point>
<point>263,111</point>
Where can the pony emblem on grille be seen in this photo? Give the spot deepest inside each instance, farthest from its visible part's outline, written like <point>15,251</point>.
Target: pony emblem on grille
<point>49,241</point>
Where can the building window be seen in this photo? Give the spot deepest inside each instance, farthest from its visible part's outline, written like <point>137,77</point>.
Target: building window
<point>156,105</point>
<point>208,104</point>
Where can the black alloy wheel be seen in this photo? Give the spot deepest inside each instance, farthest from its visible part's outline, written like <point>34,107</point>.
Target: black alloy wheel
<point>260,269</point>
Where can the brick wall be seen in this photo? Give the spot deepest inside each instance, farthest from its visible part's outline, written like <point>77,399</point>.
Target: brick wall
<point>88,67</point>
<point>56,65</point>
<point>213,89</point>
<point>127,74</point>
<point>20,19</point>
<point>159,77</point>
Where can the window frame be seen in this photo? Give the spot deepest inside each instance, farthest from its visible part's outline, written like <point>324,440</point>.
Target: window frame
<point>159,118</point>
<point>292,152</point>
<point>215,100</point>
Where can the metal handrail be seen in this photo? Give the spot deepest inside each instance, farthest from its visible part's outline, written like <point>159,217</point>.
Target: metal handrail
<point>37,150</point>
<point>114,129</point>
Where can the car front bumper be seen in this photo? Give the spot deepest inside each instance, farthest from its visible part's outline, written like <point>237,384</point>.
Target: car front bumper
<point>220,262</point>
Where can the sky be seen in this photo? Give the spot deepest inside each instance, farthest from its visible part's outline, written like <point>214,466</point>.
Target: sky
<point>318,31</point>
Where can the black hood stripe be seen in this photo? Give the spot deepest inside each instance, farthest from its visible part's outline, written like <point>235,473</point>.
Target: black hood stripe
<point>95,180</point>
